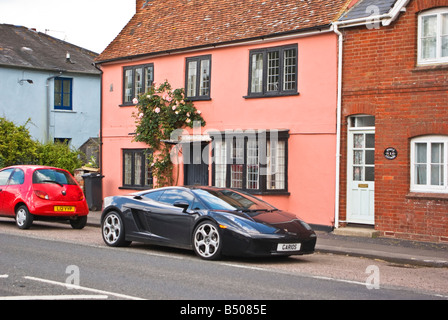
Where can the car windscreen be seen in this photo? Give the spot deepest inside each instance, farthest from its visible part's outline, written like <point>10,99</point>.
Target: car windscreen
<point>231,200</point>
<point>52,176</point>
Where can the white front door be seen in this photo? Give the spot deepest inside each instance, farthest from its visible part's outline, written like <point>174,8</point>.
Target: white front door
<point>361,175</point>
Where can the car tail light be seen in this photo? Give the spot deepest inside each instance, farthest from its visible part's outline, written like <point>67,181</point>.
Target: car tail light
<point>41,194</point>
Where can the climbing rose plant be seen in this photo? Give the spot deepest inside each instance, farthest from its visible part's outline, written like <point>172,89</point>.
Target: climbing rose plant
<point>160,111</point>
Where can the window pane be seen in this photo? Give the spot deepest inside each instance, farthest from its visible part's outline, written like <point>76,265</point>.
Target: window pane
<point>127,168</point>
<point>370,141</point>
<point>220,164</point>
<point>437,154</point>
<point>138,169</point>
<point>66,102</point>
<point>128,86</point>
<point>257,73</point>
<point>57,100</point>
<point>358,174</point>
<point>358,157</point>
<point>252,165</point>
<point>370,174</point>
<point>236,176</point>
<point>138,82</point>
<point>420,153</point>
<point>444,35</point>
<point>192,76</point>
<point>204,89</point>
<point>276,173</point>
<point>429,37</point>
<point>420,163</point>
<point>273,71</point>
<point>149,77</point>
<point>358,141</point>
<point>289,69</point>
<point>66,86</point>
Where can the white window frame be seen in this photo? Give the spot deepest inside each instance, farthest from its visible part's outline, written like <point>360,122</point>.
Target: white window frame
<point>438,59</point>
<point>428,187</point>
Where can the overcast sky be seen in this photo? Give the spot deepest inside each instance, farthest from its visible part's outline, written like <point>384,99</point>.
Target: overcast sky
<point>90,24</point>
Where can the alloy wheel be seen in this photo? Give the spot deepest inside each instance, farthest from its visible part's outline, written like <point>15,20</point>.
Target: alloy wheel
<point>113,230</point>
<point>207,241</point>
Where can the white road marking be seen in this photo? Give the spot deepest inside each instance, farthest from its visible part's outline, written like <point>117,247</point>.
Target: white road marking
<point>59,297</point>
<point>71,286</point>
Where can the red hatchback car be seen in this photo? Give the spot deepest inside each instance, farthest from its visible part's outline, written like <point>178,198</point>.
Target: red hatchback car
<point>41,193</point>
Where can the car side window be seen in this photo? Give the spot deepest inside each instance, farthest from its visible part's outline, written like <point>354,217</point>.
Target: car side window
<point>17,177</point>
<point>4,176</point>
<point>171,196</point>
<point>153,195</point>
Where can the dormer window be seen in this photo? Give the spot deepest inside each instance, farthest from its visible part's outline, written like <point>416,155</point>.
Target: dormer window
<point>433,36</point>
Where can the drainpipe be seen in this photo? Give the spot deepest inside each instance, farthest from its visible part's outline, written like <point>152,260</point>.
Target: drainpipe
<point>47,118</point>
<point>338,123</point>
<point>100,160</point>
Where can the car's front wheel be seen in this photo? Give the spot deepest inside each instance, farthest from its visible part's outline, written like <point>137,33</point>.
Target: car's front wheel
<point>113,230</point>
<point>24,219</point>
<point>207,241</point>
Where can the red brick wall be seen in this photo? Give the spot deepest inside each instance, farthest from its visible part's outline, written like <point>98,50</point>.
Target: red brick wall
<point>381,78</point>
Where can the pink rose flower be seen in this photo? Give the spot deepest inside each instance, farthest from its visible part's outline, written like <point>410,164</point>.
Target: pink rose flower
<point>157,110</point>
<point>135,101</point>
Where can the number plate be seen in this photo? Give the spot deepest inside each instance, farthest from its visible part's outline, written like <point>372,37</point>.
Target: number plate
<point>64,208</point>
<point>288,247</point>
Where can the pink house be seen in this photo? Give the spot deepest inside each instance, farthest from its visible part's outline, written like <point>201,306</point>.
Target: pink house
<point>264,76</point>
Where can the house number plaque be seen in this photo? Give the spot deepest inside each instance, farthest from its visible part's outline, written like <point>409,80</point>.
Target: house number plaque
<point>390,153</point>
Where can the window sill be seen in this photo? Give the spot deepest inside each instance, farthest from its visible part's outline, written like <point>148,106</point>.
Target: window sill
<point>127,105</point>
<point>431,67</point>
<point>135,188</point>
<point>271,96</point>
<point>193,99</point>
<point>268,193</point>
<point>427,196</point>
<point>63,111</point>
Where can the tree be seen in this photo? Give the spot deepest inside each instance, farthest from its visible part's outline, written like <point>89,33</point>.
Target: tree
<point>16,144</point>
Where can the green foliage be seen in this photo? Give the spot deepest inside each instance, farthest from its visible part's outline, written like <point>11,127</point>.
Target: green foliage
<point>16,144</point>
<point>59,155</point>
<point>160,111</point>
<point>17,147</point>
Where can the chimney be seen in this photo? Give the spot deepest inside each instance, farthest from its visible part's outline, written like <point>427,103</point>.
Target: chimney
<point>67,58</point>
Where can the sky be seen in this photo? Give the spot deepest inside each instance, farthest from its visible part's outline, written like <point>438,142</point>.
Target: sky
<point>90,24</point>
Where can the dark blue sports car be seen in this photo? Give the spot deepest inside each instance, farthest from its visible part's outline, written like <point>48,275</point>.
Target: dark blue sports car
<point>211,221</point>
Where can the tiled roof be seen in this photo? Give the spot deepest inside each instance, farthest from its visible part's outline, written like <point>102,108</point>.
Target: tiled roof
<point>24,48</point>
<point>366,8</point>
<point>170,25</point>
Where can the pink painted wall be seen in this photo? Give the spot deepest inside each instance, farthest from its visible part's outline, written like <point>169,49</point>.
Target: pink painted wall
<point>310,117</point>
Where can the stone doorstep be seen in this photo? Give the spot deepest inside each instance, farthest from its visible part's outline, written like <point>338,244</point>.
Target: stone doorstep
<point>357,232</point>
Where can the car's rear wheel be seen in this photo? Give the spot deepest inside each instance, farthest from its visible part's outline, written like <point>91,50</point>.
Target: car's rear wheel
<point>113,230</point>
<point>78,222</point>
<point>24,219</point>
<point>207,241</point>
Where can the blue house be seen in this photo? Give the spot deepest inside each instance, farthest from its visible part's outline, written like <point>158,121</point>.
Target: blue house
<point>50,83</point>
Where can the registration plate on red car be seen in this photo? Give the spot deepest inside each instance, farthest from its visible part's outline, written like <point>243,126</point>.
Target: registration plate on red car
<point>64,208</point>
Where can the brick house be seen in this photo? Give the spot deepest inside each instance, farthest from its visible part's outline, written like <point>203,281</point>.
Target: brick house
<point>394,118</point>
<point>266,67</point>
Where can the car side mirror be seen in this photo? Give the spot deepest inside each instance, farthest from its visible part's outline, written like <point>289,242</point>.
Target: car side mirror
<point>182,204</point>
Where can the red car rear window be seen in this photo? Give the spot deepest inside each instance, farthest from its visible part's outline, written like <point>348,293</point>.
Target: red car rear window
<point>52,176</point>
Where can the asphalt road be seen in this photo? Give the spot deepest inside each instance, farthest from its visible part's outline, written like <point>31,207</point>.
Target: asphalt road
<point>79,267</point>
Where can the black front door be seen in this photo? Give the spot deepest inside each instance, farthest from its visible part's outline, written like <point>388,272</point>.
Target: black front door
<point>195,163</point>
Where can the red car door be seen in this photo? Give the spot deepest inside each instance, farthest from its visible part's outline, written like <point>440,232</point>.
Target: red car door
<point>4,179</point>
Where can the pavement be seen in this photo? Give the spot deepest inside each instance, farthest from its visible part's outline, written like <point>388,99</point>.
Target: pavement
<point>387,249</point>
